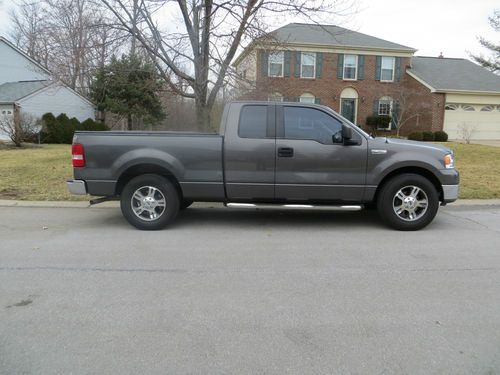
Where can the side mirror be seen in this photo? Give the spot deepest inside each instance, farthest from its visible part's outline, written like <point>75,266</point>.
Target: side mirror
<point>347,136</point>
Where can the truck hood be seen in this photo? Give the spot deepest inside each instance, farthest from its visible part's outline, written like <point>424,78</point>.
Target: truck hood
<point>415,145</point>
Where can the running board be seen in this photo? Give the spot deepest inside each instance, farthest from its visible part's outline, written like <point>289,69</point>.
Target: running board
<point>293,206</point>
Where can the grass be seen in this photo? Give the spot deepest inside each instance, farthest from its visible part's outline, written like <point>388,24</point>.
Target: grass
<point>40,173</point>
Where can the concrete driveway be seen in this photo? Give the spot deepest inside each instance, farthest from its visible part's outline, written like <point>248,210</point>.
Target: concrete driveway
<point>245,292</point>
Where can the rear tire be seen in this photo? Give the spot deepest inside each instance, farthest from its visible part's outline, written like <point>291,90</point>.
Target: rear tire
<point>149,202</point>
<point>408,202</point>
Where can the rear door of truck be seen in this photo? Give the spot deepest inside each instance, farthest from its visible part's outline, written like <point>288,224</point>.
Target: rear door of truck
<point>249,151</point>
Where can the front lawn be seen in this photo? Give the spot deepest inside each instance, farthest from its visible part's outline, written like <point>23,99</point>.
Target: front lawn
<point>40,173</point>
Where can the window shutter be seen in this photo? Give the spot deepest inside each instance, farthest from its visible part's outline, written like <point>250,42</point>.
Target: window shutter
<point>361,67</point>
<point>375,107</point>
<point>394,115</point>
<point>378,67</point>
<point>317,100</point>
<point>397,73</point>
<point>297,63</point>
<point>265,63</point>
<point>286,68</point>
<point>319,64</point>
<point>340,66</point>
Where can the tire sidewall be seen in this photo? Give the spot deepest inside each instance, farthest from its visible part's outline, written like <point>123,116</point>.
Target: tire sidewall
<point>389,190</point>
<point>171,201</point>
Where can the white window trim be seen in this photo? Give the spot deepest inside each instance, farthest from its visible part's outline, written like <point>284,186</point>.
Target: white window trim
<point>282,64</point>
<point>393,69</point>
<point>313,65</point>
<point>356,67</point>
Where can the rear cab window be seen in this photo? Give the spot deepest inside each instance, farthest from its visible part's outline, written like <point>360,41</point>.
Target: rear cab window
<point>253,122</point>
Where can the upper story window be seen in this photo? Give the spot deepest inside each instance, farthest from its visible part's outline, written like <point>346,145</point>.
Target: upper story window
<point>387,68</point>
<point>308,65</point>
<point>311,124</point>
<point>307,98</point>
<point>350,67</point>
<point>253,122</point>
<point>276,62</point>
<point>385,106</point>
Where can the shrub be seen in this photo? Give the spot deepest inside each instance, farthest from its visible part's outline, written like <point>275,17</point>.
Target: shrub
<point>378,121</point>
<point>416,136</point>
<point>428,136</point>
<point>440,136</point>
<point>61,129</point>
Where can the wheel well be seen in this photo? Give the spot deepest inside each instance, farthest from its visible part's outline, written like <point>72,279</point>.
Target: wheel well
<point>415,170</point>
<point>141,169</point>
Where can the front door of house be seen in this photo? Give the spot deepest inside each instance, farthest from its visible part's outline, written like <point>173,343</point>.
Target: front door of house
<point>348,109</point>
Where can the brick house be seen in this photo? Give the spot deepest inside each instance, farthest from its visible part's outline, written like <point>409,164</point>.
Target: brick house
<point>359,76</point>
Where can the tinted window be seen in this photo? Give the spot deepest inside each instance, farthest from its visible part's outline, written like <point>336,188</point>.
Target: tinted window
<point>253,121</point>
<point>313,124</point>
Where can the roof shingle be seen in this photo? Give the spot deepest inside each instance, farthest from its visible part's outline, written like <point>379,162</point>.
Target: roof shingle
<point>12,91</point>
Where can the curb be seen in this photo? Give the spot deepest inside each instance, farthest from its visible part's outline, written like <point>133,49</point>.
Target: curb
<point>116,204</point>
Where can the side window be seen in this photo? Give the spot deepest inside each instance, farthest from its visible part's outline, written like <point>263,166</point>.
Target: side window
<point>311,124</point>
<point>253,122</point>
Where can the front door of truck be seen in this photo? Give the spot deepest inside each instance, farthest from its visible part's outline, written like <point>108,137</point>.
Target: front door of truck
<point>312,163</point>
<point>249,152</point>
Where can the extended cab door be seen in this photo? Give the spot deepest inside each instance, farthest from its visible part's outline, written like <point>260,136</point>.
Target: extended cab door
<point>249,151</point>
<point>312,163</point>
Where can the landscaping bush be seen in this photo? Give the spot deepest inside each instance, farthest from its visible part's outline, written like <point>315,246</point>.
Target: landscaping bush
<point>416,136</point>
<point>440,136</point>
<point>378,121</point>
<point>61,129</point>
<point>428,136</point>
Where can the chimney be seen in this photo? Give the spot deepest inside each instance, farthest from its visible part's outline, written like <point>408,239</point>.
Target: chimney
<point>440,55</point>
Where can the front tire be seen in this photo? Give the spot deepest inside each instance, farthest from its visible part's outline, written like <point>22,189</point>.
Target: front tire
<point>408,202</point>
<point>149,202</point>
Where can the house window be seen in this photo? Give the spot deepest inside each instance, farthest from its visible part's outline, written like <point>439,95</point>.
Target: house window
<point>487,108</point>
<point>307,98</point>
<point>350,66</point>
<point>387,68</point>
<point>468,108</point>
<point>276,62</point>
<point>275,97</point>
<point>307,65</point>
<point>385,107</point>
<point>451,107</point>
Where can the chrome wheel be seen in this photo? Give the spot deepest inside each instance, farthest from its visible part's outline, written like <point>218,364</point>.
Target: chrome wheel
<point>148,203</point>
<point>410,203</point>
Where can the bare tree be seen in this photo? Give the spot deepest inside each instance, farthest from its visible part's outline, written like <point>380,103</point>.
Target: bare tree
<point>195,60</point>
<point>19,127</point>
<point>493,62</point>
<point>466,131</point>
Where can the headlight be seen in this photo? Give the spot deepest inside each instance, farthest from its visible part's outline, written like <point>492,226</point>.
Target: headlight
<point>449,161</point>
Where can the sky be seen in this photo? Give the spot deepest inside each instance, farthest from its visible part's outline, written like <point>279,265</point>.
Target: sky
<point>430,26</point>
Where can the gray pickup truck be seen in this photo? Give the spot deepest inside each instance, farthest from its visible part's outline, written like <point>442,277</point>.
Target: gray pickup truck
<point>282,154</point>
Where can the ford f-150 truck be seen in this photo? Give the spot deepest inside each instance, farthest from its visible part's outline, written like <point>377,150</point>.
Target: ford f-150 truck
<point>283,154</point>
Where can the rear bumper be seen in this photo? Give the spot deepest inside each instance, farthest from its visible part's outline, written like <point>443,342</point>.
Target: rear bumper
<point>76,187</point>
<point>450,193</point>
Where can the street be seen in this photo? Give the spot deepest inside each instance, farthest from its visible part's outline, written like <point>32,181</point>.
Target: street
<point>243,292</point>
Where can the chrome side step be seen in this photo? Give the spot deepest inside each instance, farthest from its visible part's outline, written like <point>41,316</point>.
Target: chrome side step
<point>272,206</point>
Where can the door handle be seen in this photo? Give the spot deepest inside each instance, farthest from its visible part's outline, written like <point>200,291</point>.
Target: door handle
<point>285,152</point>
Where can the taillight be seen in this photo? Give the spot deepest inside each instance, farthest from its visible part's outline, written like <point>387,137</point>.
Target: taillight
<point>78,155</point>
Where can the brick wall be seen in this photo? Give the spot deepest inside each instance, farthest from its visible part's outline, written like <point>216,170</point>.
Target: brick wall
<point>429,106</point>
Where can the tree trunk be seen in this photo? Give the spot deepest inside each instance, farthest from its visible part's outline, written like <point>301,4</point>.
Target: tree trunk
<point>17,138</point>
<point>129,122</point>
<point>202,117</point>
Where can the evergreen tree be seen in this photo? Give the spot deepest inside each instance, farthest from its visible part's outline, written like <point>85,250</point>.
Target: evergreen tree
<point>493,62</point>
<point>128,87</point>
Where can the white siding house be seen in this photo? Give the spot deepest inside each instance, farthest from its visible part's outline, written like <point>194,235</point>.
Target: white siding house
<point>27,85</point>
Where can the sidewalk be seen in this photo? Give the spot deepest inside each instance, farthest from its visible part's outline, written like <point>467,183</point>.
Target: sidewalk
<point>116,204</point>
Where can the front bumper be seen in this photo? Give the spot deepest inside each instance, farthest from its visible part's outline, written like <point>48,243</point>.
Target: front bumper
<point>76,187</point>
<point>450,193</point>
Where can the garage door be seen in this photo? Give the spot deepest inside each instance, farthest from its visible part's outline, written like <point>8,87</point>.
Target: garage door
<point>482,120</point>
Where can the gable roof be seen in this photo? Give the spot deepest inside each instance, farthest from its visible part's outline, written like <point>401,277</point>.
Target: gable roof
<point>18,50</point>
<point>14,91</point>
<point>453,75</point>
<point>332,36</point>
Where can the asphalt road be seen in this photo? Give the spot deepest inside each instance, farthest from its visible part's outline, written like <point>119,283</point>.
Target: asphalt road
<point>247,292</point>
